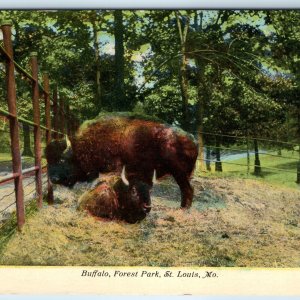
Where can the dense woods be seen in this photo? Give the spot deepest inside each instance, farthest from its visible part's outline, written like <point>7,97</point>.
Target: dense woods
<point>222,71</point>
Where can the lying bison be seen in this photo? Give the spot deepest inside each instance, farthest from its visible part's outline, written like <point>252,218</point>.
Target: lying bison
<point>110,142</point>
<point>114,197</point>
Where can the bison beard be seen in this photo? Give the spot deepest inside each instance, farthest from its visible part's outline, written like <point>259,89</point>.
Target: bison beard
<point>107,144</point>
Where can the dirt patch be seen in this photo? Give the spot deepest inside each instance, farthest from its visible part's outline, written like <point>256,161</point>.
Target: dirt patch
<point>241,223</point>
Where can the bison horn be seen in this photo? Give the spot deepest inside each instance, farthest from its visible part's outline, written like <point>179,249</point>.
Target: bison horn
<point>68,142</point>
<point>123,176</point>
<point>154,180</point>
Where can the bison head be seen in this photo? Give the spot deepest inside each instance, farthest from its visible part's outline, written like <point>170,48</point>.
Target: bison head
<point>62,167</point>
<point>134,198</point>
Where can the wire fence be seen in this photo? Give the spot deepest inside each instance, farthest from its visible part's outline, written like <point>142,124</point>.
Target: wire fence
<point>245,138</point>
<point>256,154</point>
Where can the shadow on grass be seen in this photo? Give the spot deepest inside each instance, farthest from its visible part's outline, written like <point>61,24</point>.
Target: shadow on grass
<point>207,199</point>
<point>167,189</point>
<point>240,174</point>
<point>290,166</point>
<point>168,193</point>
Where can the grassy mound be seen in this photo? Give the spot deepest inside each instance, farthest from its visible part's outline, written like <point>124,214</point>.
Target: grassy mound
<point>233,222</point>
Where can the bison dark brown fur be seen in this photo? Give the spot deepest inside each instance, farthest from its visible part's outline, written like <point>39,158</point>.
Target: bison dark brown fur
<point>108,143</point>
<point>113,199</point>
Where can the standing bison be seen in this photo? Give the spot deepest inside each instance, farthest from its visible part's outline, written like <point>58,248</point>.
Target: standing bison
<point>108,143</point>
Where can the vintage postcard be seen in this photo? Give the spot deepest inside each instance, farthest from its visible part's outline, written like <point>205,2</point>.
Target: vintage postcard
<point>150,151</point>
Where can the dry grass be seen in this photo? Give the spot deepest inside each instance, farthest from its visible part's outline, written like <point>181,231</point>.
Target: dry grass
<point>233,222</point>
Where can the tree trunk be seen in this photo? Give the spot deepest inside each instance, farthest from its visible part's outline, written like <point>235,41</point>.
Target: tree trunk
<point>208,150</point>
<point>279,152</point>
<point>248,153</point>
<point>68,120</point>
<point>98,96</point>
<point>182,70</point>
<point>201,148</point>
<point>298,119</point>
<point>298,171</point>
<point>183,88</point>
<point>218,166</point>
<point>61,114</point>
<point>201,94</point>
<point>257,167</point>
<point>55,134</point>
<point>26,134</point>
<point>120,101</point>
<point>196,25</point>
<point>298,166</point>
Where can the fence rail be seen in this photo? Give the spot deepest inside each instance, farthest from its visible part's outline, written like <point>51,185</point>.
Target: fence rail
<point>206,153</point>
<point>246,137</point>
<point>37,171</point>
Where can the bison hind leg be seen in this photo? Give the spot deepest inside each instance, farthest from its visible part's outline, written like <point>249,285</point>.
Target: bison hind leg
<point>187,191</point>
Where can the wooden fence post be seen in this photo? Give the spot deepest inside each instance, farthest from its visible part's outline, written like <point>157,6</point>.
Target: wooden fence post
<point>50,198</point>
<point>37,129</point>
<point>13,123</point>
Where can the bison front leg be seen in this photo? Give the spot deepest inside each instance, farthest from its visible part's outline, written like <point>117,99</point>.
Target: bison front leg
<point>187,191</point>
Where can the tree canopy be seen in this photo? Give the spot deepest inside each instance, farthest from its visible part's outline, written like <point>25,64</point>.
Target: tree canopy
<point>225,71</point>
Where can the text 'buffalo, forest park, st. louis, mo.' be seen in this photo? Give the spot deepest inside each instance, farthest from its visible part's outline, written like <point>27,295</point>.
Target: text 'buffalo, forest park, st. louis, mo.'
<point>150,274</point>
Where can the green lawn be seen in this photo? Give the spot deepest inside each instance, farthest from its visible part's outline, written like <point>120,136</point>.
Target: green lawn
<point>287,177</point>
<point>5,156</point>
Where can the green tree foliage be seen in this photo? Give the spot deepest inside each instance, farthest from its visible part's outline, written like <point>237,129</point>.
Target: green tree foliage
<point>285,44</point>
<point>223,71</point>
